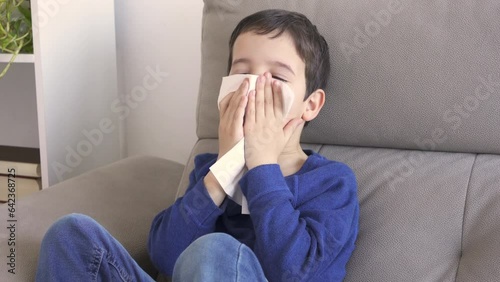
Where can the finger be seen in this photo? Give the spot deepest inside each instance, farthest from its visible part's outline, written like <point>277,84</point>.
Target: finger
<point>237,96</point>
<point>243,89</point>
<point>250,110</point>
<point>278,99</point>
<point>268,96</point>
<point>259,99</point>
<point>224,103</point>
<point>240,111</point>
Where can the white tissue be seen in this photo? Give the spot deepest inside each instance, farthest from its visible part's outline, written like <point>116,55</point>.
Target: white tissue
<point>230,168</point>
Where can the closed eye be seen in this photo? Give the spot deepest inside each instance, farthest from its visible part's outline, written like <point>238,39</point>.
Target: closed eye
<point>279,78</point>
<point>275,77</point>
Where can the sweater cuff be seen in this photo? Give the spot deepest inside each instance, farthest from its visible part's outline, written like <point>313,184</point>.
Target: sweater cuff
<point>263,179</point>
<point>200,207</point>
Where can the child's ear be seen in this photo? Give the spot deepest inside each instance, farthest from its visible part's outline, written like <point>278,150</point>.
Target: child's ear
<point>313,105</point>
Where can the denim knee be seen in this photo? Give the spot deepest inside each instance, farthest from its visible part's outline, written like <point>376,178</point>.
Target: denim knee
<point>210,242</point>
<point>217,257</point>
<point>203,256</point>
<point>69,226</point>
<point>78,248</point>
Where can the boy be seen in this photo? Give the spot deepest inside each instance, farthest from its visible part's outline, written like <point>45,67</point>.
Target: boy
<point>303,218</point>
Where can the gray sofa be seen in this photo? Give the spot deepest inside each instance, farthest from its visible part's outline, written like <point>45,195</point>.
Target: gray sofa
<point>413,108</point>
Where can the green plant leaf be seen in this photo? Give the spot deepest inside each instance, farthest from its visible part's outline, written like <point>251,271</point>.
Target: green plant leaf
<point>25,11</point>
<point>15,31</point>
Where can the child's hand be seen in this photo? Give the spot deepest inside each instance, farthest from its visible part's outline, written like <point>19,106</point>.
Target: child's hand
<point>232,110</point>
<point>265,136</point>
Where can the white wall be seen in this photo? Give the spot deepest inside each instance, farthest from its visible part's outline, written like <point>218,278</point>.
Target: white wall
<point>165,36</point>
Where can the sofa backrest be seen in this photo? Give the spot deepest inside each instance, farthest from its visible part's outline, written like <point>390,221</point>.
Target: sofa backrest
<point>405,74</point>
<point>413,107</point>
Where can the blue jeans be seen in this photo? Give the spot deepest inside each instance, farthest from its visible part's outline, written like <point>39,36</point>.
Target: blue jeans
<point>77,248</point>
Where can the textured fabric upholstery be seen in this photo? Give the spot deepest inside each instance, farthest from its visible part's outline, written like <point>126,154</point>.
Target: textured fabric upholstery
<point>123,197</point>
<point>413,106</point>
<point>406,74</point>
<point>424,216</point>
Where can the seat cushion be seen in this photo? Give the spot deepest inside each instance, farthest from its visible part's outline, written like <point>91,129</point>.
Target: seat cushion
<point>481,240</point>
<point>123,197</point>
<point>424,216</point>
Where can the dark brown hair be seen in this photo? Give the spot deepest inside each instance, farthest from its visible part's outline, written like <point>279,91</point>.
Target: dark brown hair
<point>310,45</point>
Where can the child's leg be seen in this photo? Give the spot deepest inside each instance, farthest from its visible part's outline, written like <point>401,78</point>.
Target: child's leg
<point>77,248</point>
<point>217,257</point>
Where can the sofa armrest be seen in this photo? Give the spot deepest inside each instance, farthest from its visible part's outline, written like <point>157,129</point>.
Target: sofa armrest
<point>124,197</point>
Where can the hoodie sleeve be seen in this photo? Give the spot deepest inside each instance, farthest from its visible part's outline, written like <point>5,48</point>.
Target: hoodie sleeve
<point>189,218</point>
<point>307,240</point>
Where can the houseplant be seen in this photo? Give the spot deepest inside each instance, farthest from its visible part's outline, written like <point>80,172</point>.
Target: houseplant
<point>15,29</point>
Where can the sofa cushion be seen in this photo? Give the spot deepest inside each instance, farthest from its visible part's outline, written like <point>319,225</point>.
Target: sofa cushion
<point>481,232</point>
<point>405,74</point>
<point>424,216</point>
<point>123,197</point>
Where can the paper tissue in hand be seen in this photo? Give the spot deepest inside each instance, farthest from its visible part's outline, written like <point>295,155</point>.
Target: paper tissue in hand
<point>230,168</point>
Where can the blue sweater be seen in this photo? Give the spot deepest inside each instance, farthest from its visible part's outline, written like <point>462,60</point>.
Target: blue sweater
<point>301,227</point>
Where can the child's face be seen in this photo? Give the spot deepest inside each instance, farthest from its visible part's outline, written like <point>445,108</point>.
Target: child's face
<point>257,54</point>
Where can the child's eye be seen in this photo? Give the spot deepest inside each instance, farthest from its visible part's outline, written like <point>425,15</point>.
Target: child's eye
<point>279,78</point>
<point>275,77</point>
